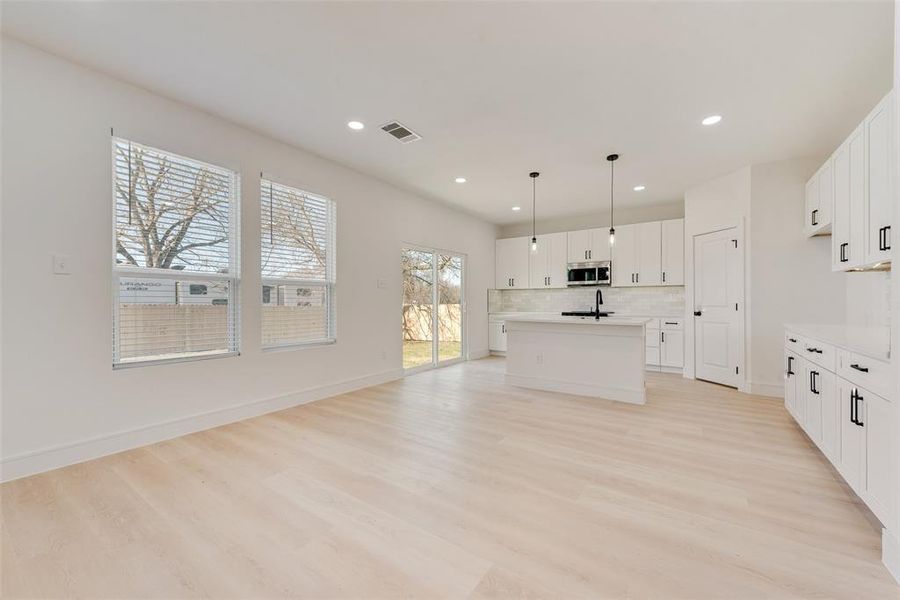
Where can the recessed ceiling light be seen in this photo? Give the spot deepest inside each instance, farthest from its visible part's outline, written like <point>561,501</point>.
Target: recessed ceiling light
<point>517,208</point>
<point>460,180</point>
<point>712,119</point>
<point>356,125</point>
<point>639,188</point>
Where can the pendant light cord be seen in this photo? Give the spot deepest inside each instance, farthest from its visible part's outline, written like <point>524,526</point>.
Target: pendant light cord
<point>533,207</point>
<point>612,158</point>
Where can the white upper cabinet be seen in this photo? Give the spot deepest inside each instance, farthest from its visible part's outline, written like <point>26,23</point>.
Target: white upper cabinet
<point>579,245</point>
<point>673,252</point>
<point>600,249</point>
<point>547,265</point>
<point>879,164</point>
<point>858,180</point>
<point>588,245</point>
<point>819,200</point>
<point>649,253</point>
<point>624,252</point>
<point>639,254</point>
<point>511,263</point>
<point>848,227</point>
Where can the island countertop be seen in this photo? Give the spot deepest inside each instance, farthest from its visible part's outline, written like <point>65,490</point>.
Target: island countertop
<point>558,319</point>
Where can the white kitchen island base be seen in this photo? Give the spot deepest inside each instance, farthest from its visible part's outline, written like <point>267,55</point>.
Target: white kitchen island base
<point>601,358</point>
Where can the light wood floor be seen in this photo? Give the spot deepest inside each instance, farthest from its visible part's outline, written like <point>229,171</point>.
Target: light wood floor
<point>450,484</point>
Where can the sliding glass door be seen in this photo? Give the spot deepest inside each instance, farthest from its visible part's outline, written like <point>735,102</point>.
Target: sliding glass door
<point>433,308</point>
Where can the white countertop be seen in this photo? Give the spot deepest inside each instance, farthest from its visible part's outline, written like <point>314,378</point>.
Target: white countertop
<point>869,341</point>
<point>556,319</point>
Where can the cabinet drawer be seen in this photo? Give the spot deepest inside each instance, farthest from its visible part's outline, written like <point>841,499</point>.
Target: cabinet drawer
<point>671,323</point>
<point>869,373</point>
<point>792,341</point>
<point>817,353</point>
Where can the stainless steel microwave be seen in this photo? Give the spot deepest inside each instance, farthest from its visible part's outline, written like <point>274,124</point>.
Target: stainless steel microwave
<point>589,273</point>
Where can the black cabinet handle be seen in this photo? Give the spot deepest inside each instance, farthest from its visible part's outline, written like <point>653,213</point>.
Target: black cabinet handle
<point>638,277</point>
<point>790,365</point>
<point>662,336</point>
<point>632,278</point>
<point>853,406</point>
<point>792,340</point>
<point>883,243</point>
<point>815,217</point>
<point>671,323</point>
<point>844,252</point>
<point>856,405</point>
<point>812,382</point>
<point>816,350</point>
<point>664,276</point>
<point>697,313</point>
<point>860,369</point>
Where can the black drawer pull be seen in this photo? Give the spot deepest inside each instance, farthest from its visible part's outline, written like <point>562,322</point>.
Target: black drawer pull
<point>860,369</point>
<point>792,340</point>
<point>671,323</point>
<point>816,350</point>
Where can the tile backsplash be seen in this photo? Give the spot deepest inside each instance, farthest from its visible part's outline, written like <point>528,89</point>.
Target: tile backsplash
<point>651,301</point>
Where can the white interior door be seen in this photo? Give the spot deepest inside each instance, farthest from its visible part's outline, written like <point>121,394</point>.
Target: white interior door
<point>718,287</point>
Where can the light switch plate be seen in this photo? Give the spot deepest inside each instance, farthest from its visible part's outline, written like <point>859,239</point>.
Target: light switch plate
<point>61,264</point>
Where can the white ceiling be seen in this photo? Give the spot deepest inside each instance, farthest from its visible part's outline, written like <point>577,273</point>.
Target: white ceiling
<point>500,89</point>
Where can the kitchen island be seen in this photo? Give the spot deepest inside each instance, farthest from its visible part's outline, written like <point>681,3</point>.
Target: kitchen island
<point>601,358</point>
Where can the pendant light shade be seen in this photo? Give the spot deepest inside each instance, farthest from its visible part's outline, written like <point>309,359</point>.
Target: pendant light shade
<point>612,158</point>
<point>534,176</point>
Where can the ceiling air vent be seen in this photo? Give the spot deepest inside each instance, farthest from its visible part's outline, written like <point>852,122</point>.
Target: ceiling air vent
<point>401,132</point>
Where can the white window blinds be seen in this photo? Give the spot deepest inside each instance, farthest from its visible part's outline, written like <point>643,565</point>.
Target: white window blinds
<point>175,273</point>
<point>298,266</point>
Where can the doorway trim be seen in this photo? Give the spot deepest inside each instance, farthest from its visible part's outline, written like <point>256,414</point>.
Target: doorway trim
<point>463,348</point>
<point>744,299</point>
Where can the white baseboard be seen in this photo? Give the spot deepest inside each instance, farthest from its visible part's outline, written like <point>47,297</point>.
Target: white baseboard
<point>776,390</point>
<point>38,461</point>
<point>480,353</point>
<point>890,553</point>
<point>579,389</point>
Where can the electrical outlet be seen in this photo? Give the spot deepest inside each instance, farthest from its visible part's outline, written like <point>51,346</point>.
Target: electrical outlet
<point>61,264</point>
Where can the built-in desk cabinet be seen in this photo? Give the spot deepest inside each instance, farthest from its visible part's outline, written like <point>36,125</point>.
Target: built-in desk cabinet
<point>835,395</point>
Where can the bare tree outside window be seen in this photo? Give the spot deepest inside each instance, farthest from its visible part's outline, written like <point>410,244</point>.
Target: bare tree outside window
<point>170,215</point>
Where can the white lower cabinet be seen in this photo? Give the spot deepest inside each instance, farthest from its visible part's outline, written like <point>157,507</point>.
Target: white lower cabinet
<point>665,344</point>
<point>497,336</point>
<point>852,426</point>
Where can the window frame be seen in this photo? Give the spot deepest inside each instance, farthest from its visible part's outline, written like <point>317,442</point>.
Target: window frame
<point>329,283</point>
<point>232,277</point>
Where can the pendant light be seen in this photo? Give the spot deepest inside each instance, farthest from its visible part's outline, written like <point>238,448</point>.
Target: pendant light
<point>612,158</point>
<point>534,176</point>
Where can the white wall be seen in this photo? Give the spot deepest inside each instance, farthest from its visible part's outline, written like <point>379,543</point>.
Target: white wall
<point>718,204</point>
<point>623,215</point>
<point>62,401</point>
<point>790,275</point>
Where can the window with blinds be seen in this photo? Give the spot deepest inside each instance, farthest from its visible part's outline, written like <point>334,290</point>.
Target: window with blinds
<point>175,273</point>
<point>298,266</point>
